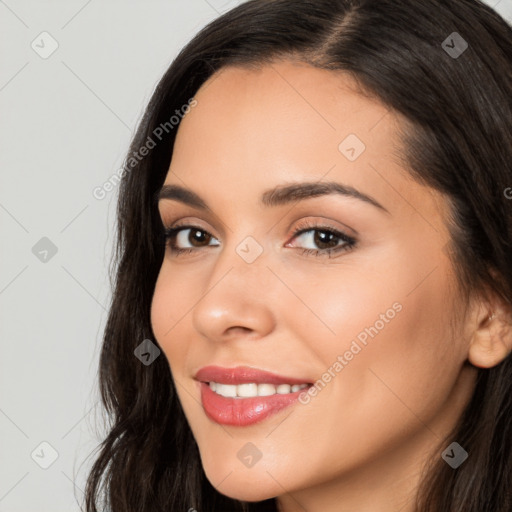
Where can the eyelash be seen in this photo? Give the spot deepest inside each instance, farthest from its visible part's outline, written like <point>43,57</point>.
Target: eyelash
<point>350,243</point>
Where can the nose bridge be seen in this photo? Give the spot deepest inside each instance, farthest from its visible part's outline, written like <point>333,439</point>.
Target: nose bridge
<point>237,292</point>
<point>246,251</point>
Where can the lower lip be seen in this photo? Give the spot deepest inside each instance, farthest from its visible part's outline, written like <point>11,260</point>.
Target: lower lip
<point>241,412</point>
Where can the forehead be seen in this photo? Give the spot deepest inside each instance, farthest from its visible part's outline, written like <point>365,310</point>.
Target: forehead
<point>289,97</point>
<point>281,115</point>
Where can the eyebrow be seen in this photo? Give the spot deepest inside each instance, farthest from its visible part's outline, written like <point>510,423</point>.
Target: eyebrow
<point>277,196</point>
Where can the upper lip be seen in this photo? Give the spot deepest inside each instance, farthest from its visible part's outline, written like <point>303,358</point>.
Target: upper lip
<point>243,375</point>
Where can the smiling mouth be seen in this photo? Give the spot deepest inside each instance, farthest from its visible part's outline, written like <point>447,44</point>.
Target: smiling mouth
<point>242,396</point>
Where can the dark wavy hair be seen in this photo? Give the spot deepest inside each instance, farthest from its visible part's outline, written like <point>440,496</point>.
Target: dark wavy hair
<point>459,141</point>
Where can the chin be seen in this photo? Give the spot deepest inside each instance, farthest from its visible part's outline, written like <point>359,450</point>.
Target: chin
<point>244,485</point>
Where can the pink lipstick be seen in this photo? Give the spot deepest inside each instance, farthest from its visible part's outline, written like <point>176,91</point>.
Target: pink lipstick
<point>243,396</point>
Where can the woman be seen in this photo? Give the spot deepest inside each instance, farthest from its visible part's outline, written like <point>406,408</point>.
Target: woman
<point>312,307</point>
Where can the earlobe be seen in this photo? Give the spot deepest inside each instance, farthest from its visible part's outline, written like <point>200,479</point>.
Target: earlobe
<point>491,342</point>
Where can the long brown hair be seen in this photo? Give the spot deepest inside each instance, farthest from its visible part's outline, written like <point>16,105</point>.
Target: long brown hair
<point>458,101</point>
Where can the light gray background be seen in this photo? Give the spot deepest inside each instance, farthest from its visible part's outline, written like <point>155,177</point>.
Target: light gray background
<point>66,122</point>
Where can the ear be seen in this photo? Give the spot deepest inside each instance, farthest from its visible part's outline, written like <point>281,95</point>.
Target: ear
<point>491,339</point>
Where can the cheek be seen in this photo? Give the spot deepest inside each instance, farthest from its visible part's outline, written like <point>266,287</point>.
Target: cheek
<point>399,362</point>
<point>391,330</point>
<point>333,307</point>
<point>408,365</point>
<point>167,314</point>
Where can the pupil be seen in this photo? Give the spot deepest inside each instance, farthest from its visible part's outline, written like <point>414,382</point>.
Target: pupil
<point>199,236</point>
<point>318,239</point>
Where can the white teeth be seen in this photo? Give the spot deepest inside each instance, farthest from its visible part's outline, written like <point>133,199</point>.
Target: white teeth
<point>225,389</point>
<point>266,389</point>
<point>247,390</point>
<point>253,389</point>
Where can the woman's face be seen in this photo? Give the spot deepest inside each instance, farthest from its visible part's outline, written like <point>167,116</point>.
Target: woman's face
<point>368,324</point>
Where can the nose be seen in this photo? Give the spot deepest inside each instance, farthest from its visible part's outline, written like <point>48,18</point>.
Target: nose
<point>237,300</point>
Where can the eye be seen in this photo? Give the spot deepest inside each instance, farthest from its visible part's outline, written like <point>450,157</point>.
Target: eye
<point>329,240</point>
<point>186,234</point>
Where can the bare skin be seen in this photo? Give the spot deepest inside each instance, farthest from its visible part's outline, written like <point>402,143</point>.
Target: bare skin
<point>361,442</point>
